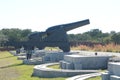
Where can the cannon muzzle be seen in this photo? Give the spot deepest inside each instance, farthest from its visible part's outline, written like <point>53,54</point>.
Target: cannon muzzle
<point>70,26</point>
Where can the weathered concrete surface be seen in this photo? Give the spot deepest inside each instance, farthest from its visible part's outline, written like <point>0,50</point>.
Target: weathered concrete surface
<point>113,72</point>
<point>114,68</point>
<point>34,61</point>
<point>46,57</point>
<point>105,76</point>
<point>114,77</point>
<point>44,71</point>
<point>90,53</point>
<point>54,56</point>
<point>85,62</point>
<point>21,57</point>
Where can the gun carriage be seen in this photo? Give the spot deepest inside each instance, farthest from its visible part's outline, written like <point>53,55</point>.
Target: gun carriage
<point>55,36</point>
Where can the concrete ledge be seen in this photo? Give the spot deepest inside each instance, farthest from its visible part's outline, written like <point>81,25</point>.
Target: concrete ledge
<point>86,62</point>
<point>105,76</point>
<point>113,72</point>
<point>20,54</point>
<point>114,77</point>
<point>44,71</point>
<point>21,57</point>
<point>114,68</point>
<point>32,61</point>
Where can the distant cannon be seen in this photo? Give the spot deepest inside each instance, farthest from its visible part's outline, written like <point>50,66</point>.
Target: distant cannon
<point>55,36</point>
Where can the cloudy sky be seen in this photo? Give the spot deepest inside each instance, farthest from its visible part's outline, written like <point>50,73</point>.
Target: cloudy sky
<point>38,15</point>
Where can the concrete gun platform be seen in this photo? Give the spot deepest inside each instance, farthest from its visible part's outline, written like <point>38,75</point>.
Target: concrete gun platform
<point>78,62</point>
<point>44,71</point>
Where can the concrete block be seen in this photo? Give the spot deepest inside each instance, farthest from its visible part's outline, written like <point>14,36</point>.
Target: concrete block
<point>45,59</point>
<point>21,57</point>
<point>105,76</point>
<point>88,62</point>
<point>113,72</point>
<point>114,68</point>
<point>110,68</point>
<point>66,65</point>
<point>63,65</point>
<point>77,66</point>
<point>32,62</point>
<point>69,65</point>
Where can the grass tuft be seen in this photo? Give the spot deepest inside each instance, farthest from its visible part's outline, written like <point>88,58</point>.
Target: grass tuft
<point>56,66</point>
<point>95,78</point>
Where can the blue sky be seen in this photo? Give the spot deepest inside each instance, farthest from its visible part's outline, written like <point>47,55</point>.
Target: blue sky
<point>38,15</point>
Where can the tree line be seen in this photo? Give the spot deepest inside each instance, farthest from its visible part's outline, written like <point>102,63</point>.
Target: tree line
<point>96,36</point>
<point>13,35</point>
<point>92,36</point>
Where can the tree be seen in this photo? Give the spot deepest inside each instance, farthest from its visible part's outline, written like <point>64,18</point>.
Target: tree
<point>72,37</point>
<point>95,33</point>
<point>16,34</point>
<point>116,38</point>
<point>24,34</point>
<point>84,37</point>
<point>3,39</point>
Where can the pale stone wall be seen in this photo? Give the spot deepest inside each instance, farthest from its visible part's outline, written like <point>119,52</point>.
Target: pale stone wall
<point>54,56</point>
<point>113,72</point>
<point>44,71</point>
<point>78,62</point>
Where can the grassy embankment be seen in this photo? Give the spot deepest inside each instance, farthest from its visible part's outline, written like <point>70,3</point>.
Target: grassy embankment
<point>13,69</point>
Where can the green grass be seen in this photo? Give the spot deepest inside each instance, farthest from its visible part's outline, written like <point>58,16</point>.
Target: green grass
<point>52,48</point>
<point>13,69</point>
<point>95,78</point>
<point>56,66</point>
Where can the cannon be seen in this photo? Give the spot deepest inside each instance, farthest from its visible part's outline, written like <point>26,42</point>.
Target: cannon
<point>55,36</point>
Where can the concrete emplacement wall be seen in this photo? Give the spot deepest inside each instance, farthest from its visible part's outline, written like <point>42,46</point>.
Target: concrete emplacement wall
<point>46,57</point>
<point>78,62</point>
<point>44,71</point>
<point>113,72</point>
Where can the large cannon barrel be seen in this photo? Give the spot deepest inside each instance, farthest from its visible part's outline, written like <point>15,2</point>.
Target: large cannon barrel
<point>70,26</point>
<point>58,28</point>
